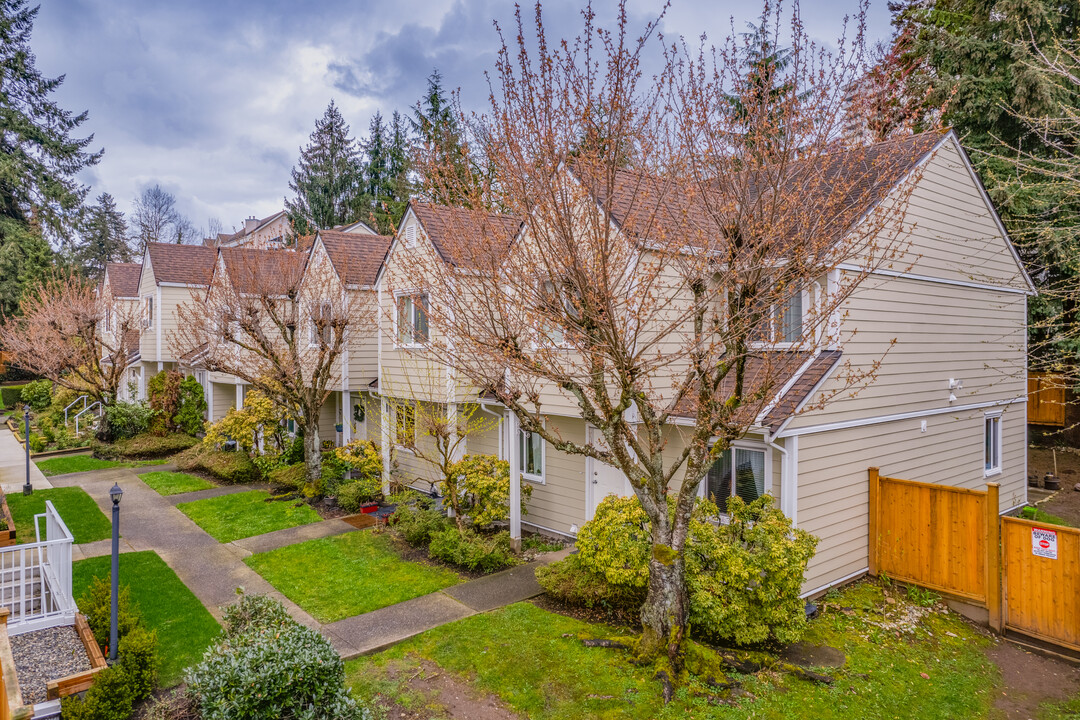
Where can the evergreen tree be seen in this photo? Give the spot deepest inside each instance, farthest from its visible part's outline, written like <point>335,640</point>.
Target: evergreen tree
<point>447,169</point>
<point>385,173</point>
<point>39,159</point>
<point>328,178</point>
<point>104,237</point>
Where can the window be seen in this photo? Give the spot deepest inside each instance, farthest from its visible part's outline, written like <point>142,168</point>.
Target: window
<point>531,452</point>
<point>745,477</point>
<point>992,444</point>
<point>782,323</point>
<point>412,319</point>
<point>405,425</point>
<point>322,328</point>
<point>108,318</point>
<point>148,312</point>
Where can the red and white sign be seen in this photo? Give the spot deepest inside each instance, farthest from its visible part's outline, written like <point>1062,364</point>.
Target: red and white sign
<point>1044,543</point>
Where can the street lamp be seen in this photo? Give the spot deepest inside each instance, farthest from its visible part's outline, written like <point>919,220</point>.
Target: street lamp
<point>115,494</point>
<point>27,487</point>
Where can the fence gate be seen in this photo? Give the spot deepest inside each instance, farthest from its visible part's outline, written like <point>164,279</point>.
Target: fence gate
<point>1041,578</point>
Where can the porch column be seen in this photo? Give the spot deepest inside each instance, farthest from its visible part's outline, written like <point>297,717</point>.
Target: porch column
<point>208,392</point>
<point>789,478</point>
<point>239,396</point>
<point>513,455</point>
<point>346,417</point>
<point>384,433</point>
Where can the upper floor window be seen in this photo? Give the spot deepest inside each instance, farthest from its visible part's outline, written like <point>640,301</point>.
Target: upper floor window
<point>738,471</point>
<point>322,328</point>
<point>148,312</point>
<point>108,318</point>
<point>412,319</point>
<point>782,322</point>
<point>992,443</point>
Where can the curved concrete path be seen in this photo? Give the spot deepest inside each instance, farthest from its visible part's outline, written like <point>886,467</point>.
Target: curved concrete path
<point>13,465</point>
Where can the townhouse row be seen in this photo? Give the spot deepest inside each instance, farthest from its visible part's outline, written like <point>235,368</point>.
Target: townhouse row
<point>945,329</point>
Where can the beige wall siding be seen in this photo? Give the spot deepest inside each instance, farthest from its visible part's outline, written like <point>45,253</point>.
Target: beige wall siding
<point>363,339</point>
<point>486,442</point>
<point>832,482</point>
<point>147,286</point>
<point>328,418</point>
<point>559,504</point>
<point>171,298</point>
<point>224,398</point>
<point>941,332</point>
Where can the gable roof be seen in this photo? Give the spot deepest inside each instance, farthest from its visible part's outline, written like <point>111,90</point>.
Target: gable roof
<point>223,238</point>
<point>124,279</point>
<point>263,271</point>
<point>457,232</point>
<point>182,264</point>
<point>357,257</point>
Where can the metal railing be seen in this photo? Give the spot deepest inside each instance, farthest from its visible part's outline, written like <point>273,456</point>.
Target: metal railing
<point>35,578</point>
<point>78,415</point>
<point>82,398</point>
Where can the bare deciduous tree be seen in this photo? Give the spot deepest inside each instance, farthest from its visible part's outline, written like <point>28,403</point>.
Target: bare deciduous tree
<point>678,253</point>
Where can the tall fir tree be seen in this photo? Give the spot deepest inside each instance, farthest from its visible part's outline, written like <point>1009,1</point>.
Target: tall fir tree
<point>385,173</point>
<point>328,178</point>
<point>443,153</point>
<point>104,237</point>
<point>39,194</point>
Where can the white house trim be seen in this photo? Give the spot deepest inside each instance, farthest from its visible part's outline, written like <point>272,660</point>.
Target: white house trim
<point>162,283</point>
<point>834,583</point>
<point>899,416</point>
<point>927,278</point>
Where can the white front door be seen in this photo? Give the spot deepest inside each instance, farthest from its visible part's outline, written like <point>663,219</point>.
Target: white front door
<point>603,479</point>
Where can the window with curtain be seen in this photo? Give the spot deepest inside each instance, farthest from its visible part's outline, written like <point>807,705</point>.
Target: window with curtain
<point>532,456</point>
<point>738,471</point>
<point>412,319</point>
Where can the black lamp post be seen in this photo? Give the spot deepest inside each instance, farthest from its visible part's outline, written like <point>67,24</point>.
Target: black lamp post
<point>115,494</point>
<point>27,487</point>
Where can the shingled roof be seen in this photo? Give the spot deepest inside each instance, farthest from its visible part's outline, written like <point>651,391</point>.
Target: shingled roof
<point>124,279</point>
<point>183,264</point>
<point>263,271</point>
<point>464,237</point>
<point>357,257</point>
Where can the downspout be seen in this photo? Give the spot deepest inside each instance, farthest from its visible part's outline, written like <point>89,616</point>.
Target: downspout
<point>499,429</point>
<point>785,480</point>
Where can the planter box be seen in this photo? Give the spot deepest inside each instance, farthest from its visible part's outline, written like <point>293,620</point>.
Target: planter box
<point>77,683</point>
<point>7,537</point>
<point>369,508</point>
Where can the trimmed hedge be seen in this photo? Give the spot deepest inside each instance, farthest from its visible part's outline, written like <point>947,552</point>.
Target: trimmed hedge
<point>146,446</point>
<point>290,476</point>
<point>234,468</point>
<point>574,583</point>
<point>11,396</point>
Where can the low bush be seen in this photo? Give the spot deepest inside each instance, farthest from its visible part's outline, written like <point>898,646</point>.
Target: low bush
<point>37,443</point>
<point>146,446</point>
<point>163,392</point>
<point>573,583</point>
<point>109,698</point>
<point>229,467</point>
<point>37,394</point>
<point>353,495</point>
<point>289,476</point>
<point>189,418</point>
<point>482,488</point>
<point>11,396</point>
<point>416,520</point>
<point>128,419</point>
<point>252,612</point>
<point>137,655</point>
<point>268,666</point>
<point>95,605</point>
<point>363,458</point>
<point>470,549</point>
<point>333,473</point>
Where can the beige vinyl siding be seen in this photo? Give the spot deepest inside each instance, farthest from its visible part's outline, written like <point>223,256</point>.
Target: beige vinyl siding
<point>224,398</point>
<point>328,418</point>
<point>832,484</point>
<point>559,504</point>
<point>171,298</point>
<point>147,286</point>
<point>486,442</point>
<point>363,339</point>
<point>942,332</point>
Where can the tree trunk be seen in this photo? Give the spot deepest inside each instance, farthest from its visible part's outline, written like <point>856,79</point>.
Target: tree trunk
<point>312,455</point>
<point>663,615</point>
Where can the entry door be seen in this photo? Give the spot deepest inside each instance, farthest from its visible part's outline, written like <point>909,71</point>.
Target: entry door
<point>603,479</point>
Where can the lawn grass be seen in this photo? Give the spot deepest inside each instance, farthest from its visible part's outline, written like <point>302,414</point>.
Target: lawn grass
<point>77,509</point>
<point>184,627</point>
<point>337,577</point>
<point>174,483</point>
<point>240,515</point>
<point>1033,512</point>
<point>534,662</point>
<point>83,463</point>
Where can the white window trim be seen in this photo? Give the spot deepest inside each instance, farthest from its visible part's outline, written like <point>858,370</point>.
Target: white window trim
<point>745,445</point>
<point>149,310</point>
<point>783,344</point>
<point>540,479</point>
<point>412,294</point>
<point>996,469</point>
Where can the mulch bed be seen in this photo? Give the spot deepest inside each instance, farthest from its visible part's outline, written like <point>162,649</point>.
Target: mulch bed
<point>44,655</point>
<point>1066,502</point>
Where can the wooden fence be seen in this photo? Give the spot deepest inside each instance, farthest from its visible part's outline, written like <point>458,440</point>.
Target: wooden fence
<point>953,540</point>
<point>1046,400</point>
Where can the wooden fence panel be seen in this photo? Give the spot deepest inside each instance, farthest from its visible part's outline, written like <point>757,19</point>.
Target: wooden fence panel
<point>931,535</point>
<point>1046,400</point>
<point>1042,594</point>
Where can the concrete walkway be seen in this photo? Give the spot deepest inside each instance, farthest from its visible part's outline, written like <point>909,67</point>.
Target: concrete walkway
<point>13,465</point>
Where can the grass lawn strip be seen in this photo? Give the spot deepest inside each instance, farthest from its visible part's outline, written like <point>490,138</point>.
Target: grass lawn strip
<point>77,509</point>
<point>174,483</point>
<point>83,463</point>
<point>1037,514</point>
<point>246,514</point>
<point>184,627</point>
<point>337,577</point>
<point>534,662</point>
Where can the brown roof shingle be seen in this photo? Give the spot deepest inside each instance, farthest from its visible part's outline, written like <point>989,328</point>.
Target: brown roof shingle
<point>463,237</point>
<point>270,272</point>
<point>124,278</point>
<point>184,264</point>
<point>357,257</point>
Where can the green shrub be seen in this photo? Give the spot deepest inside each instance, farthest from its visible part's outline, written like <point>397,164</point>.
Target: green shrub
<point>163,392</point>
<point>470,549</point>
<point>37,443</point>
<point>189,418</point>
<point>573,583</point>
<point>109,698</point>
<point>37,394</point>
<point>616,542</point>
<point>416,520</point>
<point>137,655</point>
<point>95,605</point>
<point>291,476</point>
<point>146,446</point>
<point>272,668</point>
<point>352,495</point>
<point>253,612</point>
<point>363,458</point>
<point>230,467</point>
<point>128,419</point>
<point>482,482</point>
<point>11,396</point>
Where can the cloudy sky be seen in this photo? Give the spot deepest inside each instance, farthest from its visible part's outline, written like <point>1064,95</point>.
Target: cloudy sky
<point>213,98</point>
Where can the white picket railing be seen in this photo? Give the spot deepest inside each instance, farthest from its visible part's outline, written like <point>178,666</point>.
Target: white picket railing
<point>35,578</point>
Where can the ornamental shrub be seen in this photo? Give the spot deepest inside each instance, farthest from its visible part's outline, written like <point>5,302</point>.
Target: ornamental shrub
<point>259,413</point>
<point>163,391</point>
<point>252,612</point>
<point>469,549</point>
<point>189,417</point>
<point>483,486</point>
<point>745,576</point>
<point>363,458</point>
<point>37,443</point>
<point>137,656</point>
<point>271,667</point>
<point>616,542</point>
<point>233,468</point>
<point>109,698</point>
<point>37,394</point>
<point>352,496</point>
<point>574,583</point>
<point>94,605</point>
<point>291,476</point>
<point>416,520</point>
<point>128,419</point>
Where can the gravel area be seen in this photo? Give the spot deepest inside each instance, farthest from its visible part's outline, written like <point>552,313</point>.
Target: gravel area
<point>44,655</point>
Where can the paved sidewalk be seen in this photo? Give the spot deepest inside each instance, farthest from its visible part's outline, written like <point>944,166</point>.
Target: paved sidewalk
<point>13,465</point>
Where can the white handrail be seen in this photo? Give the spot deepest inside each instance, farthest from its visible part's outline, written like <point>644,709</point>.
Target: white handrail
<point>85,410</point>
<point>35,578</point>
<point>84,399</point>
